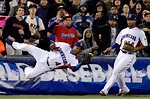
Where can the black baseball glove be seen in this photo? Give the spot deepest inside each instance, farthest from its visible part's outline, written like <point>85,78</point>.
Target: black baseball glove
<point>86,58</point>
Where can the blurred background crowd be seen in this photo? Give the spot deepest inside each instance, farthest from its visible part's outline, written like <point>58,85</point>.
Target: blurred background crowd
<point>95,23</point>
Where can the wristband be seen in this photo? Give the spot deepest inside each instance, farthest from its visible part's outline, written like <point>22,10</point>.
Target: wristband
<point>115,45</point>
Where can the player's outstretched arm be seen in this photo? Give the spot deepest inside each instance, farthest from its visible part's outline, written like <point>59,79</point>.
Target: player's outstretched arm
<point>115,45</point>
<point>85,59</point>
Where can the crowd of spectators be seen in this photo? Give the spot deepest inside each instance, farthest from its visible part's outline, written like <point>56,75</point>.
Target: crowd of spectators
<point>95,23</point>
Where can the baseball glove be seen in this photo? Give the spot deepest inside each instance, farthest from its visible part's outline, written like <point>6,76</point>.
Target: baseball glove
<point>86,58</point>
<point>129,47</point>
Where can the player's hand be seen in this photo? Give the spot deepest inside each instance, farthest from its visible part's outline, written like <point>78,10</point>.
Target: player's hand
<point>107,50</point>
<point>52,46</point>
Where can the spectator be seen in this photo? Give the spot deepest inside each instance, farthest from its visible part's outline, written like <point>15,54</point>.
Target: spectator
<point>137,10</point>
<point>22,3</point>
<point>89,45</point>
<point>35,1</point>
<point>42,11</point>
<point>61,12</point>
<point>132,3</point>
<point>13,3</point>
<point>3,7</point>
<point>75,7</point>
<point>100,16</point>
<point>146,28</point>
<point>2,23</point>
<point>122,21</point>
<point>18,29</point>
<point>35,24</point>
<point>68,3</point>
<point>91,4</point>
<point>82,19</point>
<point>64,32</point>
<point>106,35</point>
<point>119,5</point>
<point>126,10</point>
<point>52,9</point>
<point>2,47</point>
<point>146,3</point>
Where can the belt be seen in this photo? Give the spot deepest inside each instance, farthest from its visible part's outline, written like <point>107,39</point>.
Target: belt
<point>47,61</point>
<point>127,52</point>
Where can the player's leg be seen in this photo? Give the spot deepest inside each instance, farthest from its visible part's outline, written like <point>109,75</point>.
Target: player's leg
<point>39,69</point>
<point>9,50</point>
<point>121,82</point>
<point>122,65</point>
<point>34,51</point>
<point>123,89</point>
<point>120,78</point>
<point>18,52</point>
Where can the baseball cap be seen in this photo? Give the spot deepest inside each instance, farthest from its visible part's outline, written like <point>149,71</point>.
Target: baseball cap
<point>67,16</point>
<point>131,17</point>
<point>147,12</point>
<point>61,7</point>
<point>79,44</point>
<point>112,17</point>
<point>32,6</point>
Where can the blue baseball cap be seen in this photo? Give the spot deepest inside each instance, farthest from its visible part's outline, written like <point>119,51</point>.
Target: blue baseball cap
<point>112,17</point>
<point>131,17</point>
<point>79,44</point>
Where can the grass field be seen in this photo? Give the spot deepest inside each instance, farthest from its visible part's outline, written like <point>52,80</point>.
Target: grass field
<point>74,97</point>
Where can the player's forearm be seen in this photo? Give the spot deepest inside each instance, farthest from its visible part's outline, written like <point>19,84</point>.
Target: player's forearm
<point>62,67</point>
<point>115,45</point>
<point>139,48</point>
<point>75,68</point>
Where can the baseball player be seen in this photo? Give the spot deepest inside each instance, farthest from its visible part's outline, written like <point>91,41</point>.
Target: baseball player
<point>61,56</point>
<point>130,40</point>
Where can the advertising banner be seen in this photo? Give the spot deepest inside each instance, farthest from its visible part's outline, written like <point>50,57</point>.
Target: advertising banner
<point>89,79</point>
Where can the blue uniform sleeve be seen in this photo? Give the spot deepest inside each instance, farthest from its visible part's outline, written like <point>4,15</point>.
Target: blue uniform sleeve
<point>115,45</point>
<point>75,68</point>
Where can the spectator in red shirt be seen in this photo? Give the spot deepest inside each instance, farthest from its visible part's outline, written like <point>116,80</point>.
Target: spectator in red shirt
<point>64,32</point>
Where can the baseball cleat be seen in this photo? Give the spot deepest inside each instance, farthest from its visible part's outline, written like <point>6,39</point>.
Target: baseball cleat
<point>122,93</point>
<point>102,93</point>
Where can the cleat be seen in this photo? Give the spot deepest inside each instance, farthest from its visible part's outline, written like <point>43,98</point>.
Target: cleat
<point>102,93</point>
<point>122,93</point>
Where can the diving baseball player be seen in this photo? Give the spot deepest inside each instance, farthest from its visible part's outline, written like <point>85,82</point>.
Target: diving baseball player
<point>61,56</point>
<point>130,40</point>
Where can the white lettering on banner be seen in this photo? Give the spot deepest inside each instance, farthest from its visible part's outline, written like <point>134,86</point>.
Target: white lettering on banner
<point>59,75</point>
<point>85,74</point>
<point>109,72</point>
<point>74,77</point>
<point>2,73</point>
<point>96,74</point>
<point>11,74</point>
<point>47,76</point>
<point>135,79</point>
<point>148,73</point>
